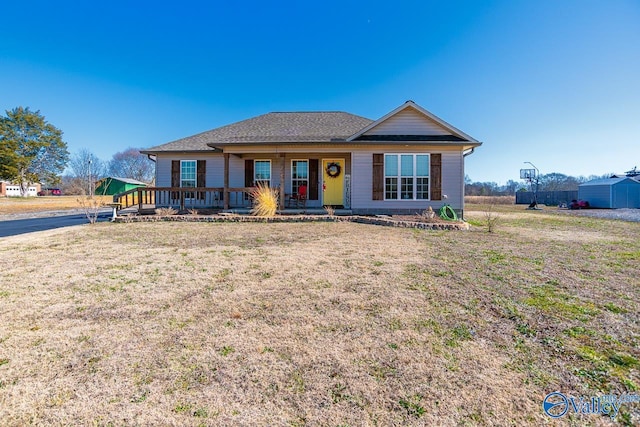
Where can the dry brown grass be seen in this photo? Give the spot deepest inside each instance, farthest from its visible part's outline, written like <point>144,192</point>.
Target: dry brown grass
<point>490,200</point>
<point>317,324</point>
<point>14,205</point>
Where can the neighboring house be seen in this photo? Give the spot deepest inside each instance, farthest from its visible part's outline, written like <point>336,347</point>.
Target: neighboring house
<point>613,193</point>
<point>8,189</point>
<point>403,162</point>
<point>113,185</point>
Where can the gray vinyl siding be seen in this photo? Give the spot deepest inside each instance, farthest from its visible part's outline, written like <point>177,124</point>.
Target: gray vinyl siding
<point>357,163</point>
<point>214,168</point>
<point>408,122</point>
<point>362,184</point>
<point>236,172</point>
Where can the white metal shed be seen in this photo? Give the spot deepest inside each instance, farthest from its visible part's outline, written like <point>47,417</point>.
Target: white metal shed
<point>614,193</point>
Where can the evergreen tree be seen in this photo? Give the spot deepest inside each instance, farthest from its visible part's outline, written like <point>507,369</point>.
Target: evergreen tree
<point>31,150</point>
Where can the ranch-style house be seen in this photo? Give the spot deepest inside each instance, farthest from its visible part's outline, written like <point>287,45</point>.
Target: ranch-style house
<point>403,162</point>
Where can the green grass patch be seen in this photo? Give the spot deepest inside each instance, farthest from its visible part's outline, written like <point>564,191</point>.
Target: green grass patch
<point>226,350</point>
<point>494,256</point>
<point>615,308</point>
<point>413,405</point>
<point>459,333</point>
<point>549,299</point>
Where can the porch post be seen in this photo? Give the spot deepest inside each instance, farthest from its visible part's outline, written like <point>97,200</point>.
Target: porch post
<point>225,190</point>
<point>282,164</point>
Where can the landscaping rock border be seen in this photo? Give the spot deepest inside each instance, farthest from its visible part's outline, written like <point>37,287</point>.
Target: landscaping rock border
<point>388,222</point>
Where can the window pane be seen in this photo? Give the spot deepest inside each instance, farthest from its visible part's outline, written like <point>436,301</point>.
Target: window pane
<point>406,190</point>
<point>188,173</point>
<point>422,188</point>
<point>299,175</point>
<point>422,165</point>
<point>262,170</point>
<point>391,188</point>
<point>407,164</point>
<point>299,169</point>
<point>391,165</point>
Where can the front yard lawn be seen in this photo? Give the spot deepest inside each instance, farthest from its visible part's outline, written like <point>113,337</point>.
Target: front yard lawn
<point>318,323</point>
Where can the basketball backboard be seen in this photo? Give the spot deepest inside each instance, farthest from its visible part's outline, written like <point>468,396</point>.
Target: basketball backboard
<point>527,174</point>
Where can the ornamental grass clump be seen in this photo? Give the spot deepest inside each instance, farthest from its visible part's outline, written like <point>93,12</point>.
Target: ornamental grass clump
<point>265,201</point>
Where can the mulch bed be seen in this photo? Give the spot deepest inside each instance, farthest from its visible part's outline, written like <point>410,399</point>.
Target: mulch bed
<point>402,221</point>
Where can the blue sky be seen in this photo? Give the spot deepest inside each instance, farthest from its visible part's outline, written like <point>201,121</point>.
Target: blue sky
<point>553,82</point>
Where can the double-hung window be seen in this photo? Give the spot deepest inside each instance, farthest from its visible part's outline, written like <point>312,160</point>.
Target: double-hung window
<point>188,170</point>
<point>262,172</point>
<point>299,175</point>
<point>406,176</point>
<point>188,175</point>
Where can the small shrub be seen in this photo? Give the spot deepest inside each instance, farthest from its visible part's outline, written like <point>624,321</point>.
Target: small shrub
<point>265,201</point>
<point>331,211</point>
<point>491,218</point>
<point>91,207</point>
<point>164,212</point>
<point>428,214</point>
<point>193,211</point>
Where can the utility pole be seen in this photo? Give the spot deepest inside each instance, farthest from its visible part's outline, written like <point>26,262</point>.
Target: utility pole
<point>90,181</point>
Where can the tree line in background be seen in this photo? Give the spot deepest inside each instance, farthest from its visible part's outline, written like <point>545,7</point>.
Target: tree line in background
<point>549,182</point>
<point>32,151</point>
<point>85,169</point>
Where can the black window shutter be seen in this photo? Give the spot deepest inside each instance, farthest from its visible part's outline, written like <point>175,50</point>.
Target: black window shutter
<point>201,177</point>
<point>312,190</point>
<point>436,176</point>
<point>378,177</point>
<point>175,177</point>
<point>248,173</point>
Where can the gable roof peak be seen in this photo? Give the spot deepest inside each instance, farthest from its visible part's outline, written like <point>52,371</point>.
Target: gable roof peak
<point>432,117</point>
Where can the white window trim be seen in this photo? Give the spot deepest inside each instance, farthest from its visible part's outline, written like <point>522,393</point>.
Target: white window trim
<point>291,174</point>
<point>255,179</point>
<point>195,183</point>
<point>399,177</point>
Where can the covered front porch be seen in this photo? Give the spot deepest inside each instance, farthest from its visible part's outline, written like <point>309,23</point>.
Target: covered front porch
<point>145,200</point>
<point>307,179</point>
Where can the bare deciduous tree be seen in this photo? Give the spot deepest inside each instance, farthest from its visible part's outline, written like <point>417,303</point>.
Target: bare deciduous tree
<point>130,163</point>
<point>87,168</point>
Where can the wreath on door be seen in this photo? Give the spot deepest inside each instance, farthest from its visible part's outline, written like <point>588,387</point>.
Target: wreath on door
<point>333,169</point>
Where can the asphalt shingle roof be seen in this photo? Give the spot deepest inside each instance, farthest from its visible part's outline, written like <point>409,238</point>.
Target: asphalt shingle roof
<point>274,128</point>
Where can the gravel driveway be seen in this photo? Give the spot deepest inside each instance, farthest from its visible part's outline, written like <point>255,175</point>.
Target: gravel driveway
<point>621,214</point>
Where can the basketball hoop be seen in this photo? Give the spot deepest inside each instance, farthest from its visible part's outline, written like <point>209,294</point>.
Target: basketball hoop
<point>532,176</point>
<point>528,174</point>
